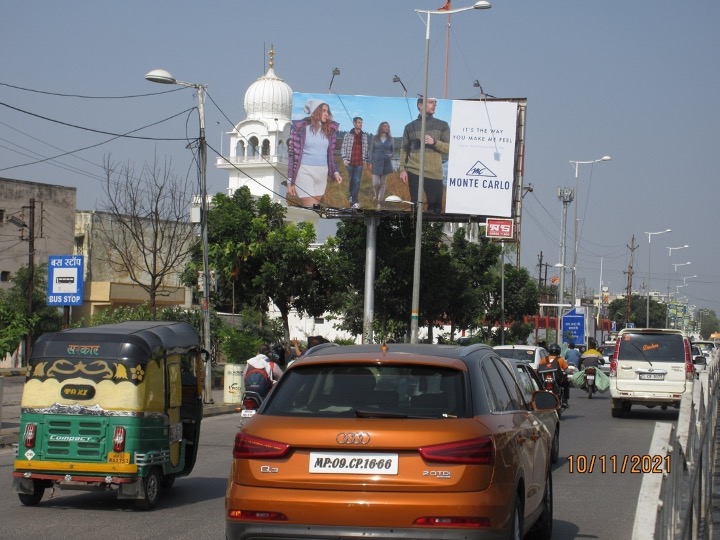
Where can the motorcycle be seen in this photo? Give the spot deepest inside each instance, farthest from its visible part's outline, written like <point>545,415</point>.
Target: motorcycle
<point>590,381</point>
<point>551,385</point>
<point>251,402</point>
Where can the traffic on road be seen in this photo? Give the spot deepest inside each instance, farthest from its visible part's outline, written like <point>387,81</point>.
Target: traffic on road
<point>600,467</point>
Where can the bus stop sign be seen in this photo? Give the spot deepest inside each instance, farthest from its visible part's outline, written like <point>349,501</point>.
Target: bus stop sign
<point>65,280</point>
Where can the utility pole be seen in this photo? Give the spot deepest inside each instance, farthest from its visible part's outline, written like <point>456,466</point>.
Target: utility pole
<point>628,291</point>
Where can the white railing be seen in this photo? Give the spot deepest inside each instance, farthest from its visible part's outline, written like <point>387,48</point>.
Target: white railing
<point>676,503</point>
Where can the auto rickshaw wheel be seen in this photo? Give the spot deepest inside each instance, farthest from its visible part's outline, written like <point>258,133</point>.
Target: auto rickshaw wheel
<point>32,499</point>
<point>168,480</point>
<point>151,487</point>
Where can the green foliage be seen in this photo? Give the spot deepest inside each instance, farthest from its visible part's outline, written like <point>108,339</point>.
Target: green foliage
<point>617,311</point>
<point>259,259</point>
<point>460,283</point>
<point>237,346</point>
<point>14,321</point>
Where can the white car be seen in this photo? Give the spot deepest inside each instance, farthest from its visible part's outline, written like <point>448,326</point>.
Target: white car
<point>653,367</point>
<point>527,353</point>
<point>706,347</point>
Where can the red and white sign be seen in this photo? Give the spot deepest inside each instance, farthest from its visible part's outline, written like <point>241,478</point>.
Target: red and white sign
<point>499,228</point>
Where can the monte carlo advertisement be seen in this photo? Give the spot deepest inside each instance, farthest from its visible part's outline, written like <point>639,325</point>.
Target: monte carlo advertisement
<point>472,164</point>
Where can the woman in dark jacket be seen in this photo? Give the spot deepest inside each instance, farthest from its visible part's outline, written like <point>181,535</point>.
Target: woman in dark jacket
<point>381,152</point>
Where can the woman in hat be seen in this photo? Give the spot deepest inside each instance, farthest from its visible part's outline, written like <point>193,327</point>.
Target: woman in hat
<point>311,153</point>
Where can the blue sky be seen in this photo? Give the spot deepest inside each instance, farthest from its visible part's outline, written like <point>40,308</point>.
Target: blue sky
<point>634,80</point>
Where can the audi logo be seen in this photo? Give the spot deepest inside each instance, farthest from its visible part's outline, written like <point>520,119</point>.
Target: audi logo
<point>352,438</point>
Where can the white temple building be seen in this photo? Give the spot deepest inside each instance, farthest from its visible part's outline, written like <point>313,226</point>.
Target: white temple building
<point>258,144</point>
<point>258,159</point>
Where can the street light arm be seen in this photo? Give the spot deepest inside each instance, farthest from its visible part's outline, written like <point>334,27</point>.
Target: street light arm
<point>482,4</point>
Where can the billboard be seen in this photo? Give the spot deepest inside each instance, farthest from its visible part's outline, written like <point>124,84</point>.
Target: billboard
<point>473,159</point>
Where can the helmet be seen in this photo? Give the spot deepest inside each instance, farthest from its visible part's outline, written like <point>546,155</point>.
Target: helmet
<point>554,349</point>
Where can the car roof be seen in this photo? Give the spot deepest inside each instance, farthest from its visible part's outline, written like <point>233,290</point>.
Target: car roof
<point>626,331</point>
<point>396,353</point>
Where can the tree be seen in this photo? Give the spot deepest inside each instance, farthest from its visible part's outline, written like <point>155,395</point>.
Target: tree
<point>638,312</point>
<point>147,234</point>
<point>472,281</point>
<point>258,258</point>
<point>394,263</point>
<point>14,319</point>
<point>459,282</point>
<point>521,299</point>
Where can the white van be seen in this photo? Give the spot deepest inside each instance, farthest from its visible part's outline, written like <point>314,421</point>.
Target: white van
<point>651,367</point>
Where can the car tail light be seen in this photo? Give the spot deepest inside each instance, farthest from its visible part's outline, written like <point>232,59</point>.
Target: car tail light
<point>256,515</point>
<point>453,522</point>
<point>689,366</point>
<point>613,362</point>
<point>30,433</point>
<point>119,439</point>
<point>478,451</point>
<point>249,447</point>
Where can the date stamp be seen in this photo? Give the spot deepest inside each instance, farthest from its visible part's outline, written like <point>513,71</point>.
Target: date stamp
<point>613,464</point>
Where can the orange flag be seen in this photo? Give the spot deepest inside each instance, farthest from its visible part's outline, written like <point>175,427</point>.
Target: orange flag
<point>446,7</point>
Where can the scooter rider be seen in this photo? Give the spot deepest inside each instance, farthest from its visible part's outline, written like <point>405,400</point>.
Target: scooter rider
<point>557,362</point>
<point>591,357</point>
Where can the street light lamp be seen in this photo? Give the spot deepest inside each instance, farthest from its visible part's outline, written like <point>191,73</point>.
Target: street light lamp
<point>397,79</point>
<point>415,308</point>
<point>688,277</point>
<point>164,77</point>
<point>577,166</point>
<point>680,264</point>
<point>650,235</point>
<point>335,71</point>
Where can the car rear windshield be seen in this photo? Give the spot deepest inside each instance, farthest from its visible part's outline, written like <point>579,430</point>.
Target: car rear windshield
<point>343,390</point>
<point>652,347</point>
<point>517,354</point>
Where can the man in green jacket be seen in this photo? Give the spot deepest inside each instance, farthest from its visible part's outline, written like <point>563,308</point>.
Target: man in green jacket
<point>437,145</point>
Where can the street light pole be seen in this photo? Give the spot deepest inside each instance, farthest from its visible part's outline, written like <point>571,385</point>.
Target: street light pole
<point>650,235</point>
<point>415,308</point>
<point>164,77</point>
<point>566,196</point>
<point>575,237</point>
<point>670,250</point>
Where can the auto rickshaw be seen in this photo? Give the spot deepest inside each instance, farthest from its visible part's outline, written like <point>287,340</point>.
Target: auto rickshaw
<point>117,406</point>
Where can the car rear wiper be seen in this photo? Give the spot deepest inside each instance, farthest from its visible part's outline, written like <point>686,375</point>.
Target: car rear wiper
<point>643,354</point>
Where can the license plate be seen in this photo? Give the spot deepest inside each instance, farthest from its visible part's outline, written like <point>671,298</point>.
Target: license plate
<point>119,458</point>
<point>353,463</point>
<point>651,376</point>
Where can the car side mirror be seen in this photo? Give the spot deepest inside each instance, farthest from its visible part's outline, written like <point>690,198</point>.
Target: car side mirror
<point>700,360</point>
<point>545,401</point>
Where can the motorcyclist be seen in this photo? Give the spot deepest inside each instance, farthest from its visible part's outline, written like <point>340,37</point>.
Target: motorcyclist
<point>591,357</point>
<point>558,363</point>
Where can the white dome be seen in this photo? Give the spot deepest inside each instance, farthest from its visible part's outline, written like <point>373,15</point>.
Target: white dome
<point>269,97</point>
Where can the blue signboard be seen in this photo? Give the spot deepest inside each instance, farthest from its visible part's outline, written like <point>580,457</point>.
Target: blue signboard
<point>573,327</point>
<point>65,280</point>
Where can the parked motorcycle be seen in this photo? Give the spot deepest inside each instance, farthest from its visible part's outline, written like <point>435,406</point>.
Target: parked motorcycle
<point>548,376</point>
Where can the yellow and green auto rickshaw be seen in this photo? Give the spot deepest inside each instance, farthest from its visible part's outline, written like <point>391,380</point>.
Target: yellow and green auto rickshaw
<point>116,406</point>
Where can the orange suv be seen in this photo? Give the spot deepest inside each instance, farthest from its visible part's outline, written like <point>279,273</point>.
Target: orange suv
<point>390,442</point>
